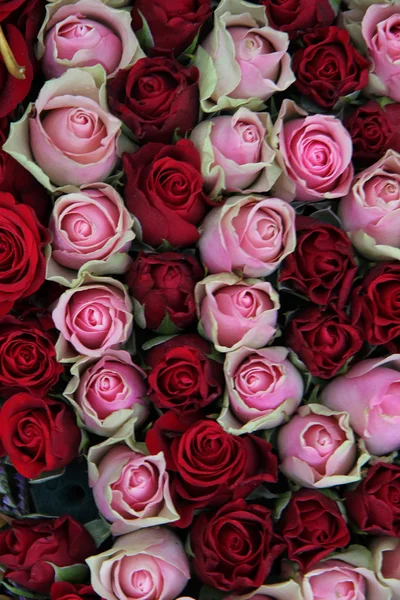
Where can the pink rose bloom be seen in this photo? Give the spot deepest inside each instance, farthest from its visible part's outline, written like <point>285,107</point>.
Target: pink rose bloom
<point>234,312</point>
<point>93,317</point>
<point>107,393</point>
<point>263,389</point>
<point>370,213</point>
<point>131,489</point>
<point>235,153</point>
<point>370,393</point>
<point>386,555</point>
<point>144,565</point>
<point>317,448</point>
<point>380,27</point>
<point>251,234</point>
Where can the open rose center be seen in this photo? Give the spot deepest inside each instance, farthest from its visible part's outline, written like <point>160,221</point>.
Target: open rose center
<point>142,582</point>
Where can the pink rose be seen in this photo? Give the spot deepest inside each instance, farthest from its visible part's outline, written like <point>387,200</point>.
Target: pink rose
<point>145,564</point>
<point>369,392</point>
<point>315,155</point>
<point>235,153</point>
<point>370,213</point>
<point>85,33</point>
<point>235,312</point>
<point>91,318</point>
<point>251,234</point>
<point>317,448</point>
<point>107,393</point>
<point>386,554</point>
<point>262,389</point>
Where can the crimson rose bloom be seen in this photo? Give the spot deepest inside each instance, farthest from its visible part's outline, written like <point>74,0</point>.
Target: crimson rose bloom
<point>374,504</point>
<point>183,378</point>
<point>312,527</point>
<point>13,90</point>
<point>298,15</point>
<point>164,190</point>
<point>209,466</point>
<point>64,590</point>
<point>22,261</point>
<point>164,285</point>
<point>328,66</point>
<point>322,267</point>
<point>29,545</point>
<point>155,98</point>
<point>38,434</point>
<point>234,548</point>
<point>323,340</point>
<point>173,23</point>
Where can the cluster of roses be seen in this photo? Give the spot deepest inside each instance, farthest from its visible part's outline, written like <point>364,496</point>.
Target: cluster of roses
<point>184,186</point>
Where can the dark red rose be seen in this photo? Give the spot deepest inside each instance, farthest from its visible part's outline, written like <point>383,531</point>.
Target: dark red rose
<point>312,527</point>
<point>27,356</point>
<point>13,90</point>
<point>29,545</point>
<point>209,466</point>
<point>28,19</point>
<point>63,590</point>
<point>235,547</point>
<point>22,261</point>
<point>9,6</point>
<point>374,505</point>
<point>373,130</point>
<point>38,434</point>
<point>328,66</point>
<point>164,285</point>
<point>155,98</point>
<point>298,15</point>
<point>322,267</point>
<point>323,340</point>
<point>183,378</point>
<point>164,190</point>
<point>173,23</point>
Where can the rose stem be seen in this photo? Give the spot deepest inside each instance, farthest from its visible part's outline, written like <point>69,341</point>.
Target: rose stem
<point>9,59</point>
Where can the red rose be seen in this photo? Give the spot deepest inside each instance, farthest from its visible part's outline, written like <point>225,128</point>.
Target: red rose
<point>155,98</point>
<point>312,527</point>
<point>27,548</point>
<point>373,130</point>
<point>28,18</point>
<point>374,505</point>
<point>328,66</point>
<point>38,434</point>
<point>22,261</point>
<point>13,90</point>
<point>164,285</point>
<point>322,267</point>
<point>63,590</point>
<point>27,356</point>
<point>234,548</point>
<point>9,6</point>
<point>183,378</point>
<point>323,340</point>
<point>173,23</point>
<point>164,190</point>
<point>298,15</point>
<point>210,466</point>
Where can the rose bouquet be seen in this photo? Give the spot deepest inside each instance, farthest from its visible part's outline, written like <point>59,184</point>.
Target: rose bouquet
<point>200,299</point>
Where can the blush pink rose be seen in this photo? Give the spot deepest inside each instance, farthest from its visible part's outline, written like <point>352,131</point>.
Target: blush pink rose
<point>370,393</point>
<point>251,234</point>
<point>386,555</point>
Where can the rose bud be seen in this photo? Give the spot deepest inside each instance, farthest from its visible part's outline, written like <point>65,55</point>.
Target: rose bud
<point>254,55</point>
<point>262,389</point>
<point>85,33</point>
<point>369,392</point>
<point>235,153</point>
<point>250,234</point>
<point>108,392</point>
<point>236,312</point>
<point>293,16</point>
<point>141,565</point>
<point>317,448</point>
<point>386,554</point>
<point>287,590</point>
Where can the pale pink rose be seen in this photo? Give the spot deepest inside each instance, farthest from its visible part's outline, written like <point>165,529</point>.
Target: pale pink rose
<point>91,318</point>
<point>107,393</point>
<point>263,389</point>
<point>84,33</point>
<point>370,213</point>
<point>287,590</point>
<point>236,312</point>
<point>143,565</point>
<point>317,448</point>
<point>386,555</point>
<point>235,153</point>
<point>370,393</point>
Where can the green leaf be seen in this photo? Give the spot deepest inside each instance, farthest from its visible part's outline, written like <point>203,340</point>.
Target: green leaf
<point>165,246</point>
<point>18,591</point>
<point>144,35</point>
<point>217,356</point>
<point>72,574</point>
<point>156,341</point>
<point>188,547</point>
<point>176,137</point>
<point>167,327</point>
<point>207,593</point>
<point>281,504</point>
<point>189,52</point>
<point>261,493</point>
<point>99,529</point>
<point>47,476</point>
